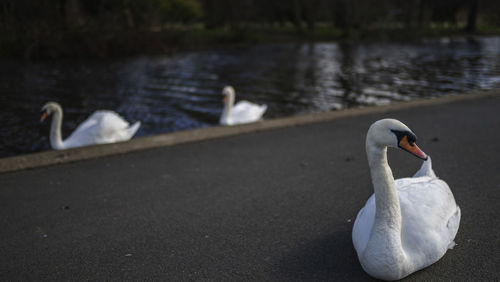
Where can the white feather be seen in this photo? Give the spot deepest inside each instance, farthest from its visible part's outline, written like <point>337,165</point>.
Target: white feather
<point>101,127</point>
<point>416,225</point>
<point>242,112</point>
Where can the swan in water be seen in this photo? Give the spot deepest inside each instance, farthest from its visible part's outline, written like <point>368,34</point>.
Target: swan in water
<point>242,112</point>
<point>409,223</point>
<point>101,127</point>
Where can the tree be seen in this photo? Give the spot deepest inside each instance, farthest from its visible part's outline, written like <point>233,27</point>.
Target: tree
<point>472,16</point>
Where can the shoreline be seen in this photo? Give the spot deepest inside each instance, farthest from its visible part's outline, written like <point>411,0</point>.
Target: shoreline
<point>53,157</point>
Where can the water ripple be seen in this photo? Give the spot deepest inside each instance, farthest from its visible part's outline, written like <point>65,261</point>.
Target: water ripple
<point>183,91</point>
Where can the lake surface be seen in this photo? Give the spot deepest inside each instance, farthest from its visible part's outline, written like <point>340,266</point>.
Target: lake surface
<point>183,91</point>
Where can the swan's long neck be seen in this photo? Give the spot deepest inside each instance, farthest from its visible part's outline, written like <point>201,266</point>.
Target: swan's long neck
<point>55,130</point>
<point>388,210</point>
<point>228,106</point>
<point>385,235</point>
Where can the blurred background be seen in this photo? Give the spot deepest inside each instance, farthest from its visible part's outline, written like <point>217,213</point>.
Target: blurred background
<point>165,62</point>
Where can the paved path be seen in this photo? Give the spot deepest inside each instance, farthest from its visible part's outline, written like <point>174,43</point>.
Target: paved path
<point>269,205</point>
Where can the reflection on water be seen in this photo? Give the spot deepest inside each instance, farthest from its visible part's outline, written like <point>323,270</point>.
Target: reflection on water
<point>183,91</point>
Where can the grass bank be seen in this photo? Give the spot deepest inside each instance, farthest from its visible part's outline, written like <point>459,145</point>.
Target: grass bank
<point>108,42</point>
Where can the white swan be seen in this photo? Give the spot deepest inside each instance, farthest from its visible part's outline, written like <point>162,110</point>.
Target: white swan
<point>101,127</point>
<point>408,224</point>
<point>242,112</point>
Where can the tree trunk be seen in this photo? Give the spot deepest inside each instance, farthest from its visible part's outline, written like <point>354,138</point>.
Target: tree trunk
<point>73,14</point>
<point>308,8</point>
<point>472,16</point>
<point>296,15</point>
<point>127,13</point>
<point>421,11</point>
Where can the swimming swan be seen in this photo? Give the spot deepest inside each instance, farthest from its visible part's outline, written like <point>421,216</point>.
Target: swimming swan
<point>409,223</point>
<point>242,112</point>
<point>101,127</point>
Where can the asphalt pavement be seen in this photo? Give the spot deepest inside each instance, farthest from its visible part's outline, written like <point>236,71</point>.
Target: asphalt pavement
<point>273,205</point>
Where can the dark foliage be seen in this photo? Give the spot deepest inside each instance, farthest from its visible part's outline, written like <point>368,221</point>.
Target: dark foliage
<point>52,28</point>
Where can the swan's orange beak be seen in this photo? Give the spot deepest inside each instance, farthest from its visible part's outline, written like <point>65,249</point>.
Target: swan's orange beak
<point>224,99</point>
<point>412,148</point>
<point>44,116</point>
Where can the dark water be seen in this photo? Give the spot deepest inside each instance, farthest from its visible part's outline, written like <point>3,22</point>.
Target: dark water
<point>183,91</point>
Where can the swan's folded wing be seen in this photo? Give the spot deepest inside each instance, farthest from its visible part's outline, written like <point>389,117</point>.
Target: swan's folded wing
<point>427,206</point>
<point>452,227</point>
<point>363,225</point>
<point>245,111</point>
<point>100,127</point>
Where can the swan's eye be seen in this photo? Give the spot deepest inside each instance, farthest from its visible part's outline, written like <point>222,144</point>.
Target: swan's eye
<point>399,134</point>
<point>411,139</point>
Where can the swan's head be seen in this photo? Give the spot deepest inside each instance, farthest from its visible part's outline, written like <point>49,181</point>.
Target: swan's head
<point>228,93</point>
<point>48,109</point>
<point>393,133</point>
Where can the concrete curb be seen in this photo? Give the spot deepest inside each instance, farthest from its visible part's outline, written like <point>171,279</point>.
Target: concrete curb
<point>83,153</point>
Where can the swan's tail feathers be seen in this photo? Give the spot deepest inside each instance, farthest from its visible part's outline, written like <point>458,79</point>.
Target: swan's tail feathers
<point>133,128</point>
<point>263,109</point>
<point>452,245</point>
<point>426,169</point>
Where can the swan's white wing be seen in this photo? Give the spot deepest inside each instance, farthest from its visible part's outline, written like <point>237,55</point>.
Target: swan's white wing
<point>363,225</point>
<point>430,219</point>
<point>101,127</point>
<point>244,112</point>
